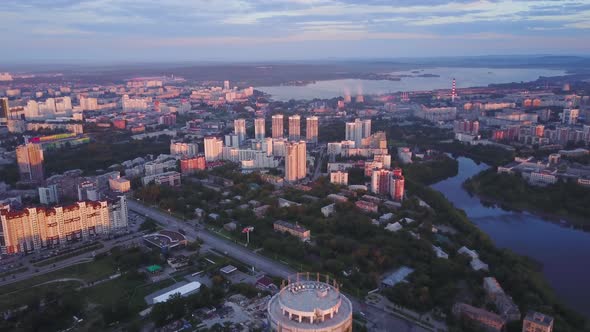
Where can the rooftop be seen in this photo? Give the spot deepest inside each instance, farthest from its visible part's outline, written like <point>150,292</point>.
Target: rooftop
<point>397,276</point>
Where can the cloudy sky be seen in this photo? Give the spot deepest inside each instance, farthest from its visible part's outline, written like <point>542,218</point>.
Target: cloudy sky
<point>195,30</point>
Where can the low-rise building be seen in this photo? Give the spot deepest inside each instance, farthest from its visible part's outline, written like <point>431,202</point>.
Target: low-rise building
<point>171,178</point>
<point>296,230</point>
<point>537,322</point>
<point>487,320</point>
<point>476,263</point>
<point>368,207</point>
<point>328,210</point>
<point>337,198</point>
<point>440,253</point>
<point>504,303</point>
<point>120,185</point>
<point>396,277</point>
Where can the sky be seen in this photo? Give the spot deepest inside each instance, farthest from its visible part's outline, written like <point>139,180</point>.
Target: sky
<point>252,30</point>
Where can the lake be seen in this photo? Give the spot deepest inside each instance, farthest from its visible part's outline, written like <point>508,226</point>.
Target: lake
<point>563,251</point>
<point>465,77</point>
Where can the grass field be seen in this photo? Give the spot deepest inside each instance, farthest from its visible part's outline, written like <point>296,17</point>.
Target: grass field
<point>89,272</point>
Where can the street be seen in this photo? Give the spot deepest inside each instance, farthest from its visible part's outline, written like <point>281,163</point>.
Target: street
<point>380,320</point>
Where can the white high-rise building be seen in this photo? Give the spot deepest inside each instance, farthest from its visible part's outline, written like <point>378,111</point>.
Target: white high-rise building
<point>279,147</point>
<point>259,129</point>
<point>312,129</point>
<point>294,127</point>
<point>32,110</point>
<point>184,149</point>
<point>88,104</point>
<point>357,130</point>
<point>240,129</point>
<point>63,106</point>
<point>295,161</point>
<point>225,85</point>
<point>213,148</point>
<point>277,126</point>
<point>133,104</point>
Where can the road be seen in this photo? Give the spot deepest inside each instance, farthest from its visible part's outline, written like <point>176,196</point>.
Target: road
<point>87,257</point>
<point>381,320</point>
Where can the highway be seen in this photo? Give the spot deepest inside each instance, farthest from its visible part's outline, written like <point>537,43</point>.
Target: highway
<point>381,320</point>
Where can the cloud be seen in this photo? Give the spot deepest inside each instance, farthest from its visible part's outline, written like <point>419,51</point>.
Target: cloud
<point>240,23</point>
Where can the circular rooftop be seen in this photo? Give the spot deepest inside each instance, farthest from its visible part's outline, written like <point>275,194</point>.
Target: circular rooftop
<point>310,303</point>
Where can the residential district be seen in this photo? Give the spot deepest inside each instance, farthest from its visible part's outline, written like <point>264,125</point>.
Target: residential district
<point>170,205</point>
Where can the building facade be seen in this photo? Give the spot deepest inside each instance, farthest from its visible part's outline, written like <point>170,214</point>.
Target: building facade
<point>537,322</point>
<point>277,126</point>
<point>339,177</point>
<point>30,162</point>
<point>357,130</point>
<point>259,128</point>
<point>240,129</point>
<point>213,148</point>
<point>312,129</point>
<point>36,228</point>
<point>184,149</point>
<point>294,127</point>
<point>295,161</point>
<point>191,165</point>
<point>310,302</point>
<point>296,230</point>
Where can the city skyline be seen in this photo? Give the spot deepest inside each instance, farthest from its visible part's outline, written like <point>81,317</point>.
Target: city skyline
<point>239,30</point>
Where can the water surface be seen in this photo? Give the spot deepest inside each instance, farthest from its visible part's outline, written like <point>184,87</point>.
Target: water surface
<point>563,251</point>
<point>465,77</point>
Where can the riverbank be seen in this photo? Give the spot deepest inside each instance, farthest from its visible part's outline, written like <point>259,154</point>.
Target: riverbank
<point>558,249</point>
<point>563,203</point>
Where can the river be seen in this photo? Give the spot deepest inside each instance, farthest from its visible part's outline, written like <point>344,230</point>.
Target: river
<point>466,77</point>
<point>563,251</point>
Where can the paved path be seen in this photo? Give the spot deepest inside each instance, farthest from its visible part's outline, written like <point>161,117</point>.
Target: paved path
<point>80,259</point>
<point>379,319</point>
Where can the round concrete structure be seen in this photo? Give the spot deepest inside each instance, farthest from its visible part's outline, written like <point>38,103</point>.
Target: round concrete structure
<point>310,303</point>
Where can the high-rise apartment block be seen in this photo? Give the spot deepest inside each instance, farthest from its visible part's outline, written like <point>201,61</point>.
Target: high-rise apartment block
<point>570,116</point>
<point>184,149</point>
<point>339,177</point>
<point>30,162</point>
<point>295,161</point>
<point>213,148</point>
<point>380,181</point>
<point>294,127</point>
<point>312,129</point>
<point>466,127</point>
<point>4,109</point>
<point>259,128</point>
<point>191,165</point>
<point>37,228</point>
<point>357,130</point>
<point>240,129</point>
<point>396,186</point>
<point>88,104</point>
<point>386,182</point>
<point>277,126</point>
